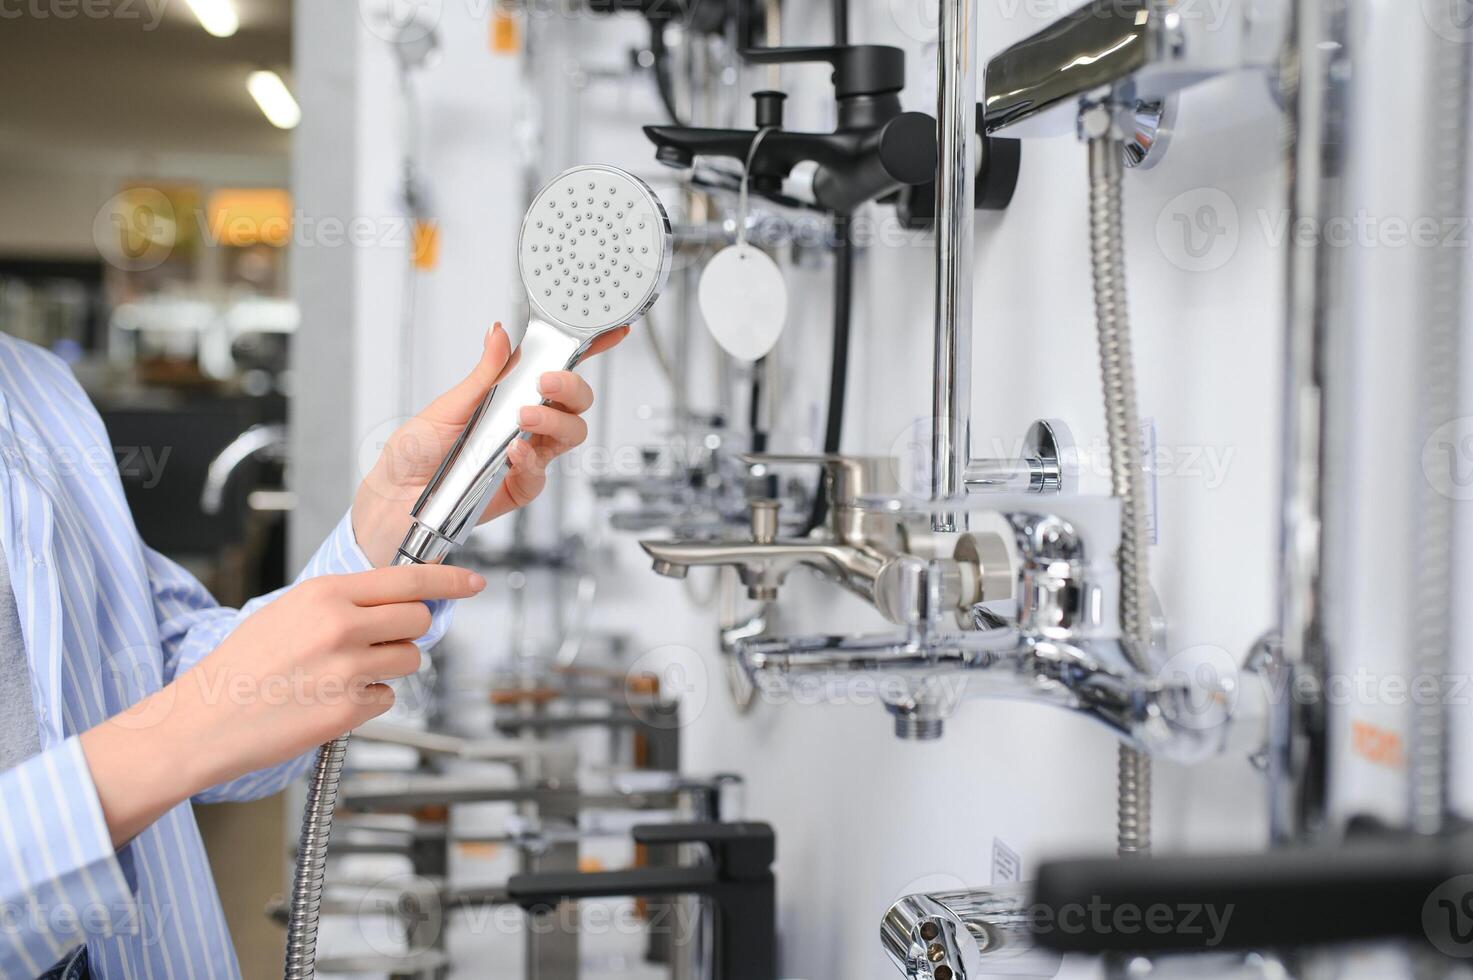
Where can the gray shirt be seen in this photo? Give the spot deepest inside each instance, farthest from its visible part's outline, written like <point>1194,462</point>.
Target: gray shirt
<point>19,738</point>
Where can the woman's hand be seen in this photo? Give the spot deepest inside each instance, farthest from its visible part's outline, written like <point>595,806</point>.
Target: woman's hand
<point>412,454</point>
<point>300,671</point>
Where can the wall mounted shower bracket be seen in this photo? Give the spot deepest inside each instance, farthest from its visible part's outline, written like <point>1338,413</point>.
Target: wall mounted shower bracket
<point>1048,464</point>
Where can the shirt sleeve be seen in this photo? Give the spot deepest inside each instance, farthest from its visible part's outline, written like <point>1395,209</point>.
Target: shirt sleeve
<point>192,624</point>
<point>61,881</point>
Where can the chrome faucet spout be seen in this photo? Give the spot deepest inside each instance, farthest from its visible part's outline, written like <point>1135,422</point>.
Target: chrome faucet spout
<point>763,566</point>
<point>925,677</point>
<point>965,934</point>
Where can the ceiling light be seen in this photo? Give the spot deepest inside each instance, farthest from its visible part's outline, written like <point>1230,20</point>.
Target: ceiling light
<point>218,17</point>
<point>275,100</point>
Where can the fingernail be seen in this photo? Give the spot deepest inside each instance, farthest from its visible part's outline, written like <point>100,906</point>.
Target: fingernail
<point>478,582</point>
<point>530,415</point>
<point>550,384</point>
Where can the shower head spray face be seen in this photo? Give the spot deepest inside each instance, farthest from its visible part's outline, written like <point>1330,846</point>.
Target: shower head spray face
<point>594,252</point>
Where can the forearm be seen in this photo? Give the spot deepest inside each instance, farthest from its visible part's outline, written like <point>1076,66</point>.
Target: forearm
<point>147,760</point>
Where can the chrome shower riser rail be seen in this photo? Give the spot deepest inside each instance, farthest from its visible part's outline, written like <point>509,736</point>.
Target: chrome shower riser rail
<point>956,95</point>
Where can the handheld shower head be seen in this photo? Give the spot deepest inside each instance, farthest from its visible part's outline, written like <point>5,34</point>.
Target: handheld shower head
<point>594,250</point>
<point>594,253</point>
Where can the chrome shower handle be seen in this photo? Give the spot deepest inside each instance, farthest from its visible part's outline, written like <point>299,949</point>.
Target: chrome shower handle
<point>472,471</point>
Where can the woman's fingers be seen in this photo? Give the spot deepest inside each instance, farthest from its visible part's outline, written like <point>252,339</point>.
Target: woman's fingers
<point>455,406</point>
<point>566,391</point>
<point>524,481</point>
<point>607,340</point>
<point>387,661</point>
<point>404,583</point>
<point>393,621</point>
<point>562,430</point>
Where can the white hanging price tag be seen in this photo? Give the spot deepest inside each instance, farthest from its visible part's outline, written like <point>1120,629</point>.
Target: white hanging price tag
<point>743,296</point>
<point>744,301</point>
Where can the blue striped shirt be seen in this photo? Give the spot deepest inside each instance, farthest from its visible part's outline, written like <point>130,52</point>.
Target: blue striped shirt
<point>107,621</point>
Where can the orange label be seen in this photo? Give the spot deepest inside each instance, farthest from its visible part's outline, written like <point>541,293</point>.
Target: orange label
<point>426,253</point>
<point>505,38</point>
<point>1378,745</point>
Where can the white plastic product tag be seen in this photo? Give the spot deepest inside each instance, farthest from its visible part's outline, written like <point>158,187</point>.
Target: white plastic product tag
<point>743,296</point>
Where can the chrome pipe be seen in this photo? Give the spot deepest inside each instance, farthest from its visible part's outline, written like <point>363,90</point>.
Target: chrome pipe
<point>1315,322</point>
<point>258,439</point>
<point>956,112</point>
<point>1003,476</point>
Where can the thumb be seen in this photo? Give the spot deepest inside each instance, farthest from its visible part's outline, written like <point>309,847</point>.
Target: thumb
<point>456,406</point>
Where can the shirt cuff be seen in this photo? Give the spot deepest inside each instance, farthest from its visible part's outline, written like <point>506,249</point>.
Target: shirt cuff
<point>341,555</point>
<point>67,874</point>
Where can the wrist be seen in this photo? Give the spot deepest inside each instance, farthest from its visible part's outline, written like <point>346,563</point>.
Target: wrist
<point>379,523</point>
<point>145,761</point>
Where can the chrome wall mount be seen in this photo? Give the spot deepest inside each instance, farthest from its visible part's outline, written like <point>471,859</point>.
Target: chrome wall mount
<point>1048,464</point>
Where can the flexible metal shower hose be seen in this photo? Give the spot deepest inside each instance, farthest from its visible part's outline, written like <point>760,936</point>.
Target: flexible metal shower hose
<point>1450,74</point>
<point>1122,423</point>
<point>322,800</point>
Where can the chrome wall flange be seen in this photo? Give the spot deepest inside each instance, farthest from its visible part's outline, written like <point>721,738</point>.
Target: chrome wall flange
<point>1152,123</point>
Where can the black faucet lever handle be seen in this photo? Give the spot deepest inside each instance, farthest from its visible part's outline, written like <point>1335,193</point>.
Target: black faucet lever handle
<point>741,850</point>
<point>859,69</point>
